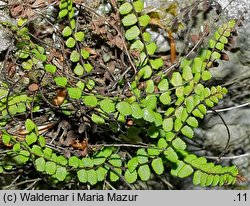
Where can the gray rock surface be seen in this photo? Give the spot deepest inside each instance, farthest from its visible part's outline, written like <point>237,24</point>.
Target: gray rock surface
<point>4,39</point>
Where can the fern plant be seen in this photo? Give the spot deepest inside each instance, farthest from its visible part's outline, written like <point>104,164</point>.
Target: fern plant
<point>144,126</point>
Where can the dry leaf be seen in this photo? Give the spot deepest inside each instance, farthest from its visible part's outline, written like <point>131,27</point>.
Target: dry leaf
<point>16,10</point>
<point>25,8</point>
<point>241,178</point>
<point>90,50</point>
<point>224,56</point>
<point>38,3</point>
<point>78,1</point>
<point>80,145</point>
<point>156,22</point>
<point>33,87</point>
<point>60,97</point>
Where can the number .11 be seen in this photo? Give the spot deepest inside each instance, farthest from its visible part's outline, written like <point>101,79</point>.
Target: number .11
<point>242,197</point>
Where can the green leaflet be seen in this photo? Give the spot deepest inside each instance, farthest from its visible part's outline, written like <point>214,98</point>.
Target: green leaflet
<point>132,164</point>
<point>87,162</point>
<point>36,150</point>
<point>187,73</point>
<point>177,125</point>
<point>22,157</point>
<point>97,119</point>
<point>146,37</point>
<point>151,48</point>
<point>61,160</point>
<point>16,147</point>
<point>90,101</point>
<point>40,164</point>
<point>29,125</point>
<point>157,166</point>
<point>50,167</point>
<point>151,102</point>
<point>85,54</point>
<point>168,124</point>
<point>144,20</point>
<point>138,5</point>
<point>67,31</point>
<point>179,144</point>
<point>171,155</point>
<point>99,159</point>
<point>158,119</point>
<point>79,36</point>
<point>176,79</point>
<point>154,151</point>
<point>74,161</point>
<point>162,144</point>
<point>124,108</point>
<point>150,86</point>
<point>163,85</point>
<point>101,173</point>
<point>145,72</point>
<point>136,111</point>
<point>63,13</point>
<point>197,65</point>
<point>88,67</point>
<point>142,156</point>
<point>75,56</point>
<point>132,33</point>
<point>156,63</point>
<point>215,55</point>
<point>130,177</point>
<point>107,105</point>
<point>70,43</point>
<point>79,70</point>
<point>165,98</point>
<point>144,172</point>
<point>41,141</point>
<point>27,65</point>
<point>1,169</point>
<point>74,93</point>
<point>115,160</point>
<point>61,81</point>
<point>206,75</point>
<point>148,115</point>
<point>114,174</point>
<point>125,8</point>
<point>82,176</point>
<point>192,122</point>
<point>185,171</point>
<point>137,45</point>
<point>129,20</point>
<point>187,131</point>
<point>91,176</point>
<point>31,138</point>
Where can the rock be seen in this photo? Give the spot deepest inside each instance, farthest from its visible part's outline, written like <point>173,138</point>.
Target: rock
<point>5,40</point>
<point>214,132</point>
